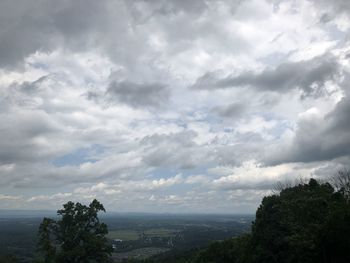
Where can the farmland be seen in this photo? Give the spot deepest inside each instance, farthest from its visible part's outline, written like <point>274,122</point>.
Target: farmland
<point>124,235</point>
<point>138,235</point>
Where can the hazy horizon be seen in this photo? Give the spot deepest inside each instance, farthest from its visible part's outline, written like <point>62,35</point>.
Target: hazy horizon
<point>170,106</point>
<point>14,212</point>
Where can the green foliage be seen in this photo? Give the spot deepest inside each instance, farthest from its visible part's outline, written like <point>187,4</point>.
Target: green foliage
<point>173,256</point>
<point>47,229</point>
<point>8,259</point>
<point>287,226</point>
<point>78,236</point>
<point>306,223</point>
<point>334,239</point>
<point>297,225</point>
<point>235,250</point>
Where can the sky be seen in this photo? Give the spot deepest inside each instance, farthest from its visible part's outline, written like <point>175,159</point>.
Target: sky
<point>170,106</point>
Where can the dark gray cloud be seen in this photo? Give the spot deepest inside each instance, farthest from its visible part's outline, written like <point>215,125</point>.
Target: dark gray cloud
<point>233,110</point>
<point>44,25</point>
<point>110,26</point>
<point>309,76</point>
<point>24,137</point>
<point>148,95</point>
<point>318,138</point>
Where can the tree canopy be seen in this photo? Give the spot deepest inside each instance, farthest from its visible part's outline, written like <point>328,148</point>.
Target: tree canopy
<point>77,236</point>
<point>305,223</point>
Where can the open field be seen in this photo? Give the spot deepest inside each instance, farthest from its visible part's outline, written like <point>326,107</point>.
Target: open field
<point>130,234</point>
<point>160,232</point>
<point>125,235</point>
<point>143,235</point>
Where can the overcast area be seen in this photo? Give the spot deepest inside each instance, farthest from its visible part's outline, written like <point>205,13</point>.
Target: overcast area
<point>170,105</point>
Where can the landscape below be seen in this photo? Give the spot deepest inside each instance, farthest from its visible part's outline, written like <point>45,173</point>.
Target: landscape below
<point>137,236</point>
<point>308,221</point>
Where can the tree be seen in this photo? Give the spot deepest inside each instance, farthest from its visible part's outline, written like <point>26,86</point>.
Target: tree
<point>341,182</point>
<point>78,236</point>
<point>8,259</point>
<point>300,225</point>
<point>233,250</point>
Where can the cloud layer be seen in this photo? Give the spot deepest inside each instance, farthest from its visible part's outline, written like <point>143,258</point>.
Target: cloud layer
<point>170,106</point>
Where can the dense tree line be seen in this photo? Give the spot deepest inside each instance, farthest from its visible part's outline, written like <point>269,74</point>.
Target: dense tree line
<point>304,223</point>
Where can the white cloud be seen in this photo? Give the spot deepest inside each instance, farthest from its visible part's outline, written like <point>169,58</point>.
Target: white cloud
<point>103,108</point>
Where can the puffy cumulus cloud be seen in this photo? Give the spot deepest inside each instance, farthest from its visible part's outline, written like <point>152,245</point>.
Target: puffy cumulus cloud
<point>233,110</point>
<point>31,138</point>
<point>46,25</point>
<point>96,101</point>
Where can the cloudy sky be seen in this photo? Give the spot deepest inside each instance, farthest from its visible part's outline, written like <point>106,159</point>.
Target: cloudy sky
<point>170,105</point>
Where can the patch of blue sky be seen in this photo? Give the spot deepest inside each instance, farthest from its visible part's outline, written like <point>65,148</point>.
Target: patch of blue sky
<point>177,189</point>
<point>203,169</point>
<point>229,129</point>
<point>39,65</point>
<point>281,128</point>
<point>282,124</point>
<point>167,172</point>
<point>337,35</point>
<point>269,116</point>
<point>79,156</point>
<point>161,121</point>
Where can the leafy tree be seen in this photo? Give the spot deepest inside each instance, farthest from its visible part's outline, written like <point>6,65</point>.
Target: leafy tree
<point>78,236</point>
<point>307,222</point>
<point>334,238</point>
<point>234,250</point>
<point>8,259</point>
<point>288,226</point>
